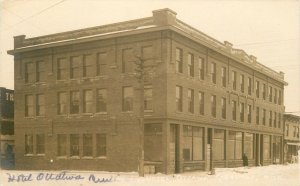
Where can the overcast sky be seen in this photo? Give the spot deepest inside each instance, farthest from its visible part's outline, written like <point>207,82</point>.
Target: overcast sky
<point>267,29</point>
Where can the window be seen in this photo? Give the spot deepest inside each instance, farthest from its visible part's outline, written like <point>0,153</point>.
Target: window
<point>193,143</point>
<point>275,95</point>
<point>213,73</point>
<point>213,106</point>
<point>29,73</point>
<point>87,145</point>
<point>201,68</point>
<point>101,145</point>
<point>127,60</point>
<point>28,144</point>
<point>275,119</point>
<point>127,99</point>
<point>179,98</point>
<point>279,97</point>
<point>41,71</point>
<point>224,78</point>
<point>74,145</point>
<point>249,113</point>
<point>249,86</point>
<point>190,101</point>
<point>233,106</point>
<point>191,65</point>
<point>242,83</point>
<point>235,145</point>
<point>266,147</point>
<point>287,130</point>
<point>201,103</point>
<point>257,89</point>
<point>233,80</point>
<point>40,105</point>
<point>270,94</point>
<point>101,100</point>
<point>61,68</point>
<point>88,101</point>
<point>249,145</point>
<point>75,64</point>
<point>153,142</point>
<point>219,143</point>
<point>264,91</point>
<point>179,61</point>
<point>257,115</point>
<point>223,104</point>
<point>242,112</point>
<point>148,97</point>
<point>62,103</point>
<point>61,145</point>
<point>40,144</point>
<point>279,120</point>
<point>264,117</point>
<point>270,118</point>
<point>101,64</point>
<point>88,69</point>
<point>29,106</point>
<point>74,102</point>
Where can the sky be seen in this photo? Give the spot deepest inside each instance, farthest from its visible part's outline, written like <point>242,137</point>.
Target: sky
<point>267,29</point>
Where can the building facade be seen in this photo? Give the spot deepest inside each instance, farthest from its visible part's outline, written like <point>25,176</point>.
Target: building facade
<point>205,103</point>
<point>291,138</point>
<point>6,128</point>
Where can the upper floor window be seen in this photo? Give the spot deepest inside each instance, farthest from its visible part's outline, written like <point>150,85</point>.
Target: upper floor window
<point>88,101</point>
<point>101,102</point>
<point>233,80</point>
<point>74,145</point>
<point>62,103</point>
<point>224,77</point>
<point>264,117</point>
<point>74,102</point>
<point>223,105</point>
<point>249,86</point>
<point>233,106</point>
<point>127,99</point>
<point>40,71</point>
<point>75,67</point>
<point>242,83</point>
<point>87,143</point>
<point>179,98</point>
<point>28,144</point>
<point>257,115</point>
<point>270,94</point>
<point>213,73</point>
<point>201,68</point>
<point>213,106</point>
<point>40,144</point>
<point>61,145</point>
<point>242,112</point>
<point>127,60</point>
<point>257,89</point>
<point>201,103</point>
<point>101,63</point>
<point>88,65</point>
<point>29,73</point>
<point>61,68</point>
<point>270,118</point>
<point>29,105</point>
<point>279,97</point>
<point>264,91</point>
<point>191,65</point>
<point>101,145</point>
<point>287,130</point>
<point>249,113</point>
<point>148,96</point>
<point>190,101</point>
<point>40,105</point>
<point>279,120</point>
<point>275,95</point>
<point>179,60</point>
<point>275,119</point>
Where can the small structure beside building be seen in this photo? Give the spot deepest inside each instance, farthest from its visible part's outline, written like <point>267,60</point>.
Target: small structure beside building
<point>6,128</point>
<point>291,138</point>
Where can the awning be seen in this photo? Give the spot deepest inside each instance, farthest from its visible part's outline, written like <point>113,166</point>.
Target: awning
<point>297,144</point>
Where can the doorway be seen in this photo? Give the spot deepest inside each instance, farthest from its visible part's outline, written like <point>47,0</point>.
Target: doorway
<point>174,148</point>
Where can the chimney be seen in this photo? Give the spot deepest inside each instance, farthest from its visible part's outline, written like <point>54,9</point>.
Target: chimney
<point>18,41</point>
<point>164,16</point>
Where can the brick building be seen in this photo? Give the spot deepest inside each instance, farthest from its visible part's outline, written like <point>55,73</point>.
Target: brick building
<point>6,128</point>
<point>291,137</point>
<point>205,103</point>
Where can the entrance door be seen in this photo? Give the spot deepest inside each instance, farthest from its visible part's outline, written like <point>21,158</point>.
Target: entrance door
<point>174,148</point>
<point>209,150</point>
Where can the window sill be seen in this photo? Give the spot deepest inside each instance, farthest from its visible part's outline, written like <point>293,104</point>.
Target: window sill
<point>148,111</point>
<point>40,155</point>
<point>61,157</point>
<point>101,157</point>
<point>87,157</point>
<point>29,155</point>
<point>75,157</point>
<point>101,113</point>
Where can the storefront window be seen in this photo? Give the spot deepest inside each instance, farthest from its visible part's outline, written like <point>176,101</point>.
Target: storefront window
<point>153,142</point>
<point>193,143</point>
<point>218,144</point>
<point>267,147</point>
<point>249,143</point>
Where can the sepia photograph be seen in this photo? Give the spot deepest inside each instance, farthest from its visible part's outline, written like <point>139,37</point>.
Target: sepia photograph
<point>149,92</point>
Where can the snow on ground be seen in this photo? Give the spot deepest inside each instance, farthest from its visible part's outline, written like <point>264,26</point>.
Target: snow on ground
<point>273,175</point>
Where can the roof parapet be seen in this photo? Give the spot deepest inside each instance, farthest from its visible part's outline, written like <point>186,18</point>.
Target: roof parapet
<point>164,16</point>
